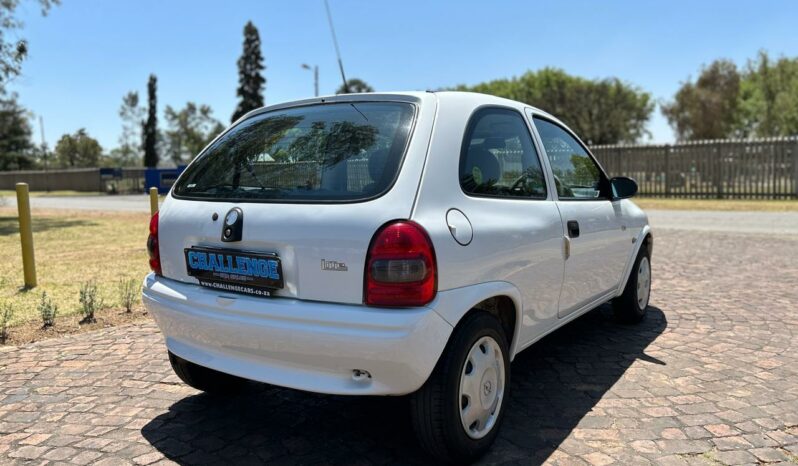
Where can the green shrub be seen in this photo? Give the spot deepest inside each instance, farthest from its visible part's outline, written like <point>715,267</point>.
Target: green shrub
<point>5,317</point>
<point>47,310</point>
<point>128,292</point>
<point>90,302</point>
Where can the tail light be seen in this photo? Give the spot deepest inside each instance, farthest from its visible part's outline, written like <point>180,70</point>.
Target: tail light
<point>400,266</point>
<point>152,245</point>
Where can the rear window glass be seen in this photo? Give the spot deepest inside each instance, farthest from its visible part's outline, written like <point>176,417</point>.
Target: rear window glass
<point>328,152</point>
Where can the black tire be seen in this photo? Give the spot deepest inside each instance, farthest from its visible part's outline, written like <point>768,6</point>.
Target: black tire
<point>627,308</point>
<point>435,408</point>
<point>204,379</point>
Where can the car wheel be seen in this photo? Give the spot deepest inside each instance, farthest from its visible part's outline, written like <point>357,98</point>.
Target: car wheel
<point>631,306</point>
<point>458,411</point>
<point>204,379</point>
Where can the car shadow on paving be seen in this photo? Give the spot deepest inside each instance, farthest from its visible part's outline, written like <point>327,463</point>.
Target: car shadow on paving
<point>554,385</point>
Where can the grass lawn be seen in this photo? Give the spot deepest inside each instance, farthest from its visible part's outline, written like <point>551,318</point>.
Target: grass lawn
<point>717,204</point>
<point>71,248</point>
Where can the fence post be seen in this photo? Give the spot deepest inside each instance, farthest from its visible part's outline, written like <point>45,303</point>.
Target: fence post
<point>26,235</point>
<point>795,167</point>
<point>667,170</point>
<point>719,170</point>
<point>153,200</point>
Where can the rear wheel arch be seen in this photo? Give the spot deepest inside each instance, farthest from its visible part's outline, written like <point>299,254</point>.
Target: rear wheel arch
<point>504,308</point>
<point>501,299</point>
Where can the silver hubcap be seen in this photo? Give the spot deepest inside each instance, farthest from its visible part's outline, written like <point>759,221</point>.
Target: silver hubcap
<point>643,283</point>
<point>482,387</point>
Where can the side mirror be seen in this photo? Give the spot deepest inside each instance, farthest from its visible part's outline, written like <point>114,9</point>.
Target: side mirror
<point>623,187</point>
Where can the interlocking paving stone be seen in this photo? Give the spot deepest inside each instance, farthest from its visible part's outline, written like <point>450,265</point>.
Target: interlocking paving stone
<point>711,376</point>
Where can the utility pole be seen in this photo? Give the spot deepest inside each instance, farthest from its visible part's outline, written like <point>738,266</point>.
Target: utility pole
<point>337,51</point>
<point>44,154</point>
<point>315,69</point>
<point>316,80</point>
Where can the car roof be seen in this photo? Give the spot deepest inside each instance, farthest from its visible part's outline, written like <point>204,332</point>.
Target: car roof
<point>444,97</point>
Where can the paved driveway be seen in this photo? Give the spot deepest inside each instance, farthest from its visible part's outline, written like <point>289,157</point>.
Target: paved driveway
<point>711,377</point>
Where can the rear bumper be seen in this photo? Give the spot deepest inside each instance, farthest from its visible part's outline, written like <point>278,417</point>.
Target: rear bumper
<point>305,345</point>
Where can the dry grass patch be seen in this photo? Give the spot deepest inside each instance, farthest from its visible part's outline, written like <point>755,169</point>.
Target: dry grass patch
<point>71,248</point>
<point>718,204</point>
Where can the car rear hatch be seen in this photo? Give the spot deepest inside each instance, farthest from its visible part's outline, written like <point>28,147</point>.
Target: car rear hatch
<point>309,183</point>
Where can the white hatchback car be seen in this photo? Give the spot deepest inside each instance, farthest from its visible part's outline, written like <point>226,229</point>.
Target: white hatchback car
<point>391,244</point>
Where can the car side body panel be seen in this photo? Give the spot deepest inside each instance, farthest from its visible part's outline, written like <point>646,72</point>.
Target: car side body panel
<point>518,241</point>
<point>598,255</point>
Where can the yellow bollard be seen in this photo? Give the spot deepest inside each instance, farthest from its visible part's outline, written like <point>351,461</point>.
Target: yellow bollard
<point>26,235</point>
<point>153,200</point>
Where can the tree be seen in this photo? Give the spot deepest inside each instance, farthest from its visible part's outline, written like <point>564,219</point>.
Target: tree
<point>78,150</point>
<point>132,114</point>
<point>13,52</point>
<point>761,100</point>
<point>708,108</point>
<point>251,82</point>
<point>769,97</point>
<point>150,128</point>
<point>189,131</point>
<point>600,111</point>
<point>354,86</point>
<point>15,135</point>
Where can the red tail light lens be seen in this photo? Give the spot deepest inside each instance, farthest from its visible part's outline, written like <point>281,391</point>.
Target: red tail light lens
<point>400,266</point>
<point>152,245</point>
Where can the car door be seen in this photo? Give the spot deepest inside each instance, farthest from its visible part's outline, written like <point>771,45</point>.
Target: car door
<point>502,173</point>
<point>593,224</point>
<point>500,187</point>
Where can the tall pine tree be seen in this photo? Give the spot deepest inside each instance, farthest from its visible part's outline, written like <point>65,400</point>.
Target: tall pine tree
<point>15,135</point>
<point>150,129</point>
<point>250,80</point>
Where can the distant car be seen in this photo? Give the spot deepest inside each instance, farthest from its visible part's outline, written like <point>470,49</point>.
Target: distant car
<point>391,244</point>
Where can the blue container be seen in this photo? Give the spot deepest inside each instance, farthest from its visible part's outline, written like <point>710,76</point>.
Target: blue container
<point>161,178</point>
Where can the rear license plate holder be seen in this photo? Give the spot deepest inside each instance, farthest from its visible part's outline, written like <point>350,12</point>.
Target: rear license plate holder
<point>253,273</point>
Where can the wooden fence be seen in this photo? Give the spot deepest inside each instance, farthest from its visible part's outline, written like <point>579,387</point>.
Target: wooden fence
<point>76,179</point>
<point>757,168</point>
<point>126,180</point>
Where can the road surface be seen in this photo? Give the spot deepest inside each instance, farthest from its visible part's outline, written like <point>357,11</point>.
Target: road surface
<point>752,222</point>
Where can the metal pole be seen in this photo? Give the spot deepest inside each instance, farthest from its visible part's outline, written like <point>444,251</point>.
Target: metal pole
<point>153,200</point>
<point>337,51</point>
<point>44,155</point>
<point>316,80</point>
<point>26,235</point>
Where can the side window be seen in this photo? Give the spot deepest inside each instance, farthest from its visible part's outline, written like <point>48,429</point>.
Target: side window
<point>498,158</point>
<point>576,175</point>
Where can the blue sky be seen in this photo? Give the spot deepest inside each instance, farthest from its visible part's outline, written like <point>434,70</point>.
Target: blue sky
<point>86,54</point>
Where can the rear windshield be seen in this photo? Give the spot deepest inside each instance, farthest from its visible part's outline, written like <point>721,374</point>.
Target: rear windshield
<point>327,152</point>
